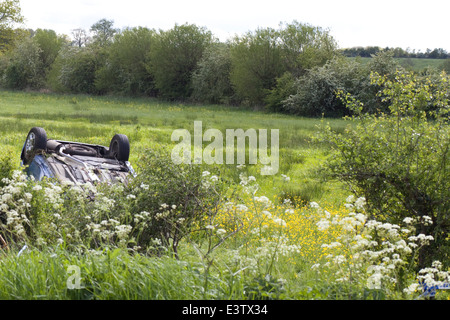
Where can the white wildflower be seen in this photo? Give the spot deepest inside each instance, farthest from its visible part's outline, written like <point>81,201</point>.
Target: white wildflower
<point>411,288</point>
<point>323,224</point>
<point>122,231</point>
<point>408,220</point>
<point>360,203</point>
<point>205,173</point>
<point>279,222</point>
<point>241,207</point>
<point>221,232</point>
<point>314,205</point>
<point>374,281</point>
<point>266,213</point>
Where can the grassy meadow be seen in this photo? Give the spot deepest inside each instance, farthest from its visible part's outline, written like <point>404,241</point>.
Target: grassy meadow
<point>413,64</point>
<point>280,242</point>
<point>149,123</point>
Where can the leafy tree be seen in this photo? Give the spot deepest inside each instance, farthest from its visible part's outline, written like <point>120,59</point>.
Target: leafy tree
<point>103,32</point>
<point>74,70</point>
<point>80,37</point>
<point>211,79</point>
<point>174,57</point>
<point>382,63</point>
<point>50,44</point>
<point>259,58</point>
<point>283,90</point>
<point>256,62</point>
<point>25,68</point>
<point>10,14</point>
<point>125,69</point>
<point>399,161</point>
<point>305,46</point>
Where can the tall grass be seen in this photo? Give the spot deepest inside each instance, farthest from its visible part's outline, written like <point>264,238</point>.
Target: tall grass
<point>269,239</point>
<point>150,123</point>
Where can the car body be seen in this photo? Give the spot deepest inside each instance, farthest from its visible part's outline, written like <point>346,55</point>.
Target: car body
<point>76,162</point>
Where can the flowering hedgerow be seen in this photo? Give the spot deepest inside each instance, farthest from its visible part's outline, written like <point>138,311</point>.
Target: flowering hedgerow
<point>151,213</point>
<point>356,256</point>
<point>45,213</point>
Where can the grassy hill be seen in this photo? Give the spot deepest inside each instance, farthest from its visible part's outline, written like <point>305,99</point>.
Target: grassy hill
<point>413,64</point>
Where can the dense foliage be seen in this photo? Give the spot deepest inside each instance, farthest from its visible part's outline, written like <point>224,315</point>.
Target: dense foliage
<point>399,161</point>
<point>294,69</point>
<point>241,245</point>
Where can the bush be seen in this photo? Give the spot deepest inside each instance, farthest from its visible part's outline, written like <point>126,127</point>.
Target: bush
<point>283,90</point>
<point>399,161</point>
<point>25,69</point>
<point>74,71</point>
<point>256,63</point>
<point>260,58</point>
<point>124,71</point>
<point>316,91</point>
<point>174,57</point>
<point>7,164</point>
<point>180,198</point>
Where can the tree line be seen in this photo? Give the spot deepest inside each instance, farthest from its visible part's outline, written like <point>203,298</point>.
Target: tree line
<point>295,68</point>
<point>367,52</point>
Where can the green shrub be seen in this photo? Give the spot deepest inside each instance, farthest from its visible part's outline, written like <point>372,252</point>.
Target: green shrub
<point>7,164</point>
<point>284,88</point>
<point>174,57</point>
<point>25,69</point>
<point>124,70</point>
<point>399,161</point>
<point>74,71</point>
<point>180,198</point>
<point>315,92</point>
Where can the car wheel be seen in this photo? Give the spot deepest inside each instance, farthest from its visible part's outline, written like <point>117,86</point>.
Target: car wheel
<point>36,141</point>
<point>119,148</point>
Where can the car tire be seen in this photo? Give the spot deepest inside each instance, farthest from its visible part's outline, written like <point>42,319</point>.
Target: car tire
<point>119,148</point>
<point>36,141</point>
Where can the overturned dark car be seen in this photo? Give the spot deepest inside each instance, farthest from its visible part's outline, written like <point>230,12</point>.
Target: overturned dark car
<point>76,162</point>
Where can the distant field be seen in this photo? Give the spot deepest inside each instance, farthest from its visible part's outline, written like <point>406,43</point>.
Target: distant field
<point>149,123</point>
<point>414,64</point>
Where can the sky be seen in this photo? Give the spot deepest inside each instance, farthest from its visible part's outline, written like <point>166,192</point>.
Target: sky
<point>412,24</point>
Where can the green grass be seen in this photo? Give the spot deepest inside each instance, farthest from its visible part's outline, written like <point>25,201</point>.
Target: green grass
<point>42,274</point>
<point>262,260</point>
<point>413,64</point>
<point>149,123</point>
